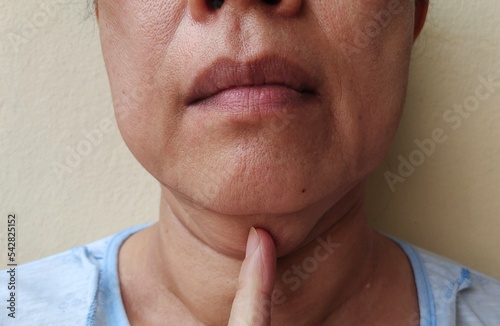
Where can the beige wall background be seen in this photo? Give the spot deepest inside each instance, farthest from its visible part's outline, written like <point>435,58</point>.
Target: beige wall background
<point>439,187</point>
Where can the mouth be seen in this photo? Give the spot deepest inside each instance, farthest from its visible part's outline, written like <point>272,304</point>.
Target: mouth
<point>262,82</point>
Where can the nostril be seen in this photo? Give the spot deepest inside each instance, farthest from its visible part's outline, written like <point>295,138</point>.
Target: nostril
<point>215,4</point>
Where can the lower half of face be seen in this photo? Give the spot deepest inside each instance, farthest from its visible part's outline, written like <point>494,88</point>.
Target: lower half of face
<point>258,149</point>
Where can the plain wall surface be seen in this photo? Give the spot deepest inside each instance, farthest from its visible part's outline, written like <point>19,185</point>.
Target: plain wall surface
<point>55,99</point>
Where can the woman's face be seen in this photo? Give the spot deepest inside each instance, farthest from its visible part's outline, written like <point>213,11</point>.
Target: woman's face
<point>351,56</point>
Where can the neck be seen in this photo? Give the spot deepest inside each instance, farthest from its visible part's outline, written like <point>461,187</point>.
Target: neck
<point>198,253</point>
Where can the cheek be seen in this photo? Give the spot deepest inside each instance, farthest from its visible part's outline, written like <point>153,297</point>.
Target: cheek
<point>136,44</point>
<point>370,44</point>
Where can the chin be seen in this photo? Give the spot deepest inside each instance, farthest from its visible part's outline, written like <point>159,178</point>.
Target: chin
<point>266,199</point>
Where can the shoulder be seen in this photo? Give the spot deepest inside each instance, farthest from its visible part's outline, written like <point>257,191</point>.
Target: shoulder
<point>461,296</point>
<point>57,290</point>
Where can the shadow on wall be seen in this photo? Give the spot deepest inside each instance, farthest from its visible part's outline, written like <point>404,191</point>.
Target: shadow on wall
<point>442,168</point>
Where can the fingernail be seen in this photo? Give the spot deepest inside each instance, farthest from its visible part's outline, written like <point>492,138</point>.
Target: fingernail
<point>252,242</point>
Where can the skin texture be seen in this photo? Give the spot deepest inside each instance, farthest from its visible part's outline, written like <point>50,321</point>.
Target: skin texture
<point>298,184</point>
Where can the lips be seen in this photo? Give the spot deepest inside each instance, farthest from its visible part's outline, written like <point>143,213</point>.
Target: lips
<point>224,74</point>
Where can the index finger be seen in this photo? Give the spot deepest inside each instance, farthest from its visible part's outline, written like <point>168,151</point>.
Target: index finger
<point>252,304</point>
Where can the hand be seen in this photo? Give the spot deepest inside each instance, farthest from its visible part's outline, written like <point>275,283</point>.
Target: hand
<point>252,303</point>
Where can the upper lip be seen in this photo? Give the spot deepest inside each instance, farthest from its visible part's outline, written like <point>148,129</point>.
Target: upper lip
<point>225,73</point>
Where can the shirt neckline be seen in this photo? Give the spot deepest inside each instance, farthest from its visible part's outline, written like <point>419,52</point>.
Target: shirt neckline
<point>114,307</point>
<point>424,291</point>
<point>117,315</point>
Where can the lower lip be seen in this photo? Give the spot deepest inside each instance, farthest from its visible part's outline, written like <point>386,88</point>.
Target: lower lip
<point>254,101</point>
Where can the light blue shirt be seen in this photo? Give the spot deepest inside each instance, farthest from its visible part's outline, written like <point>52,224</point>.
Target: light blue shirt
<point>80,287</point>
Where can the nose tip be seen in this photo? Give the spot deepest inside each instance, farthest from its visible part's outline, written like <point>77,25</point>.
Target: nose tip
<point>202,9</point>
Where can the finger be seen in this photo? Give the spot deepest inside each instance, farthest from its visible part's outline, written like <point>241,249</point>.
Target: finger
<point>252,303</point>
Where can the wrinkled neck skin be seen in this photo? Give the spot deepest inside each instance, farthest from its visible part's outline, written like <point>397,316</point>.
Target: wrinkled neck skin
<point>328,259</point>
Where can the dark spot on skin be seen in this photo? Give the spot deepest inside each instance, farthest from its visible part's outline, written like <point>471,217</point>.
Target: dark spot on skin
<point>303,190</point>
